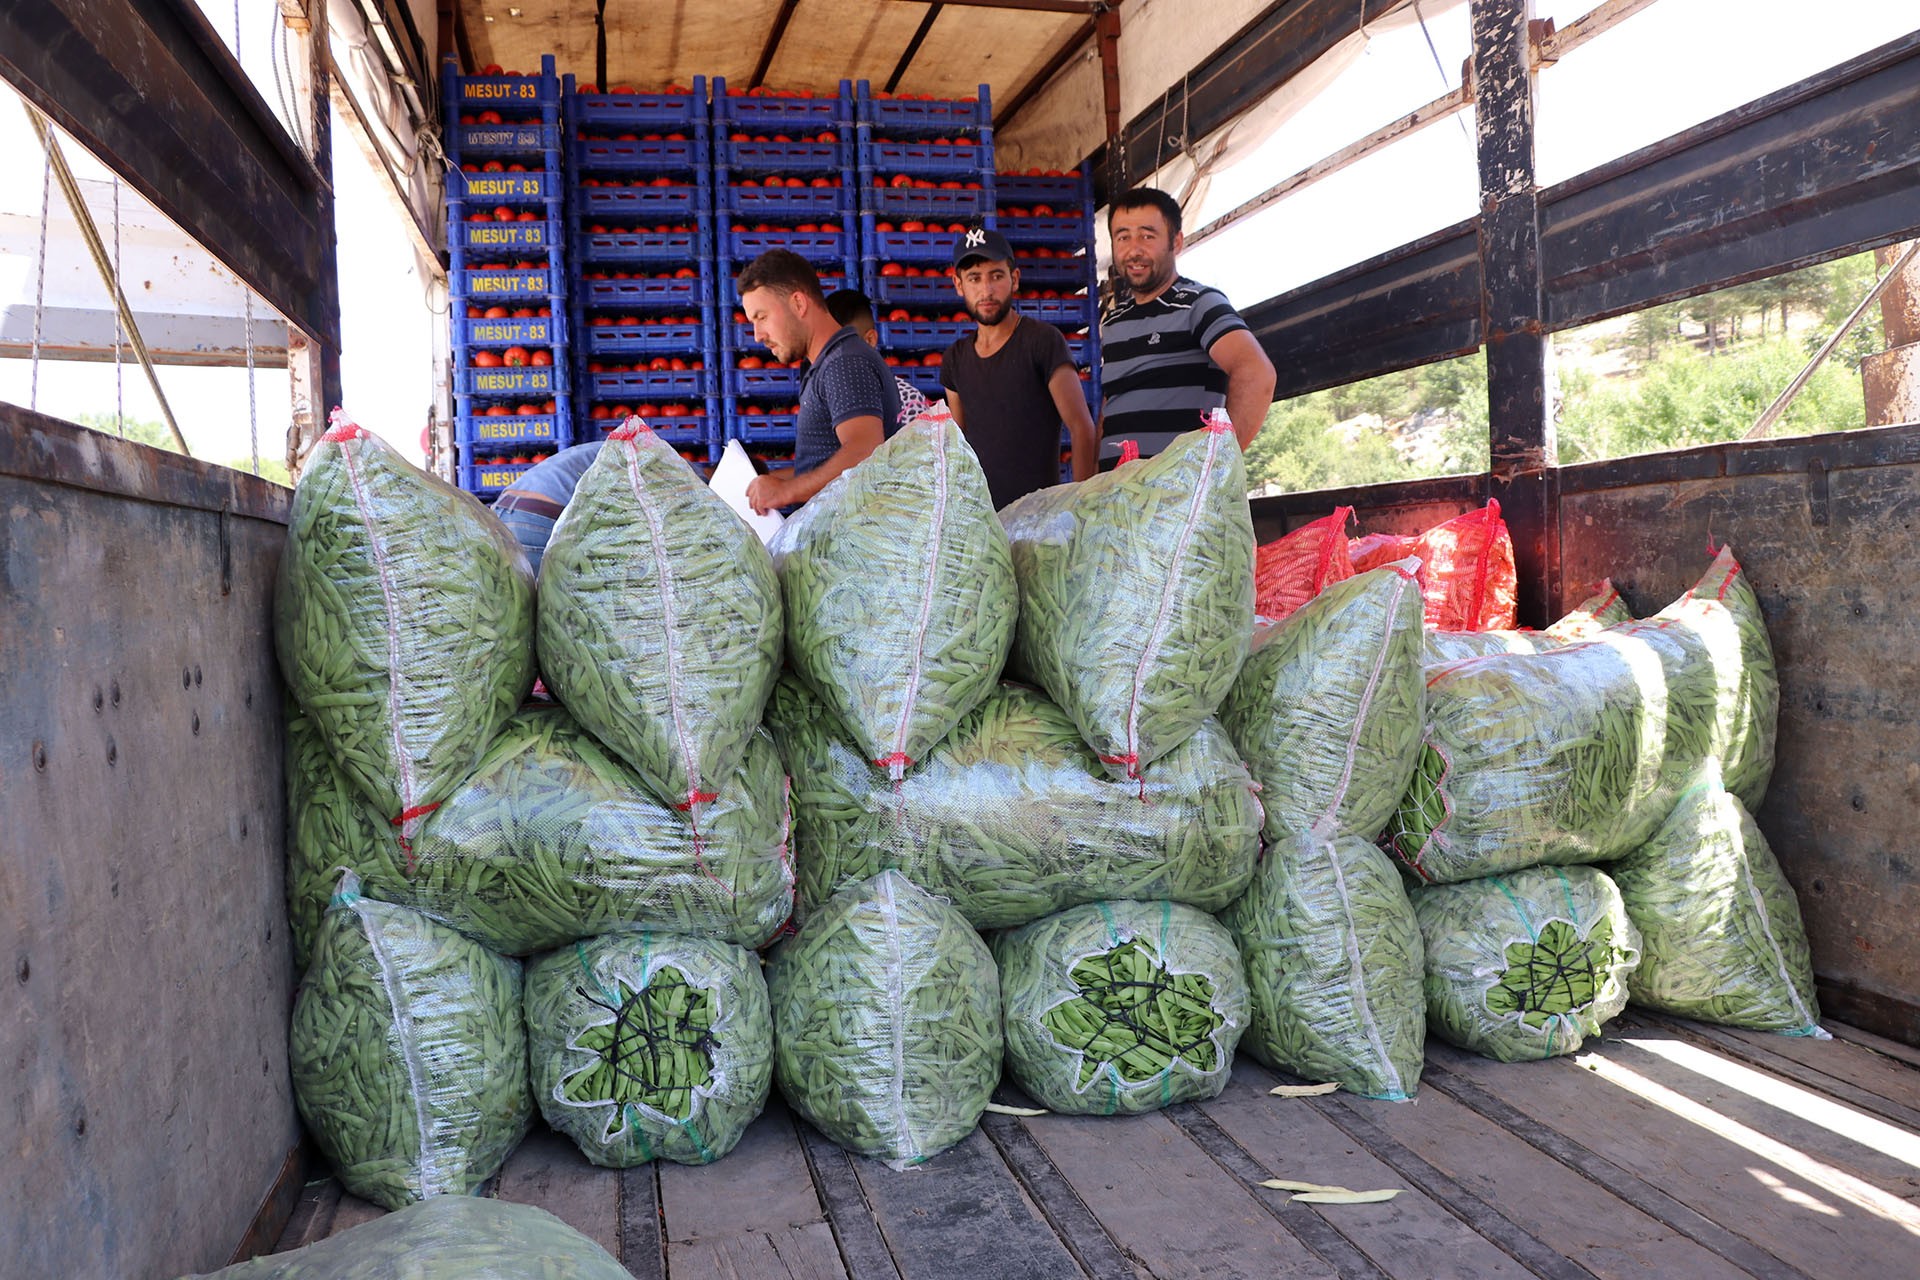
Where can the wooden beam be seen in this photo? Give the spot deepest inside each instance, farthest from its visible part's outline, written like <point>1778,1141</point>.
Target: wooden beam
<point>1088,7</point>
<point>1597,21</point>
<point>913,46</point>
<point>1513,298</point>
<point>775,34</point>
<point>1107,26</point>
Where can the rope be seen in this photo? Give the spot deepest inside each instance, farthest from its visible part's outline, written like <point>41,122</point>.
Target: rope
<point>40,285</point>
<point>119,330</point>
<point>253,411</point>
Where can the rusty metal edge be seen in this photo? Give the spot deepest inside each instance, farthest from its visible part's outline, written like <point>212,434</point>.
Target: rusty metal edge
<point>36,447</point>
<point>276,1207</point>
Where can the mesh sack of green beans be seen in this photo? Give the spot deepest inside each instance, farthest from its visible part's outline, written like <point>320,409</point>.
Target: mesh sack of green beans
<point>649,1045</point>
<point>886,1021</point>
<point>1720,928</point>
<point>1116,1008</point>
<point>330,826</point>
<point>1011,817</point>
<point>409,1052</point>
<point>1527,965</point>
<point>403,621</point>
<point>1737,688</point>
<point>1602,609</point>
<point>1335,965</point>
<point>554,838</point>
<point>1327,709</point>
<point>660,618</point>
<point>1530,759</point>
<point>900,593</point>
<point>1136,596</point>
<point>445,1238</point>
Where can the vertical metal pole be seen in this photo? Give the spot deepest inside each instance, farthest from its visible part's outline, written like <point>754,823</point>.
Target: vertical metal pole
<point>1513,300</point>
<point>1106,25</point>
<point>1891,378</point>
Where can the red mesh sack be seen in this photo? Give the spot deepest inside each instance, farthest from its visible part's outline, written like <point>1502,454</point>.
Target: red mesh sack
<point>1376,550</point>
<point>1292,570</point>
<point>1466,572</point>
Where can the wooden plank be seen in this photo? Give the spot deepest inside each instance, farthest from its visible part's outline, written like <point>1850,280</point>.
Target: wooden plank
<point>351,1212</point>
<point>1879,1044</point>
<point>752,1213</point>
<point>962,1214</point>
<point>1077,1228</point>
<point>790,1253</point>
<point>1871,1081</point>
<point>643,1244</point>
<point>862,1247</point>
<point>1411,1236</point>
<point>548,1172</point>
<point>1692,1146</point>
<point>1520,1198</point>
<point>1166,1203</point>
<point>312,1217</point>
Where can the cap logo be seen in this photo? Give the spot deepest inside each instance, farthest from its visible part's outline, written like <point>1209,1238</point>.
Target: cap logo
<point>976,237</point>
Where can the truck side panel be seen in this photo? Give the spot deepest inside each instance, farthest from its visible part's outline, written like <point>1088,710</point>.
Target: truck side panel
<point>142,920</point>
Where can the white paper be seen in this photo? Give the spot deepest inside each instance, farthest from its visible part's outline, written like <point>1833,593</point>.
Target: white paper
<point>731,476</point>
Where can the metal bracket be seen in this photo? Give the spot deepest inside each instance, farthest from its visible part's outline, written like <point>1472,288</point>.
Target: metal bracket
<point>1819,509</point>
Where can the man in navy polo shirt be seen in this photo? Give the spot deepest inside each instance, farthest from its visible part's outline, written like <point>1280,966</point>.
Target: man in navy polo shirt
<point>848,403</point>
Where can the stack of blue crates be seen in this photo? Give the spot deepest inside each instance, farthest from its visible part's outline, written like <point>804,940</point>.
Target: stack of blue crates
<point>1048,219</point>
<point>926,175</point>
<point>640,211</point>
<point>505,229</point>
<point>783,180</point>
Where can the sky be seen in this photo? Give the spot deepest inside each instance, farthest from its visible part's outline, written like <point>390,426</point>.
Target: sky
<point>1663,70</point>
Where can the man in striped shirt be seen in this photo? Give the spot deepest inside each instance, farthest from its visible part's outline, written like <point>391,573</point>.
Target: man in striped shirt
<point>1171,349</point>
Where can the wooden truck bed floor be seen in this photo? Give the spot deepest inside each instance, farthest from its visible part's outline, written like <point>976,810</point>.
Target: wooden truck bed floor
<point>1670,1149</point>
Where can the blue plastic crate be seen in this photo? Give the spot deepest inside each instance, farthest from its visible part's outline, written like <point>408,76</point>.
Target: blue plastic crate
<point>782,157</point>
<point>729,292</point>
<point>500,140</point>
<point>649,340</point>
<point>597,155</point>
<point>921,335</point>
<point>525,331</point>
<point>641,246</point>
<point>924,377</point>
<point>1053,272</point>
<point>919,202</point>
<point>782,115</point>
<point>906,246</point>
<point>915,115</point>
<point>785,204</point>
<point>640,204</point>
<point>502,384</point>
<point>480,435</point>
<point>499,91</point>
<point>782,383</point>
<point>1070,232</point>
<point>488,481</point>
<point>1020,189</point>
<point>1082,348</point>
<point>932,290</point>
<point>506,237</point>
<point>683,294</point>
<point>963,158</point>
<point>1067,312</point>
<point>665,384</point>
<point>681,433</point>
<point>489,189</point>
<point>759,428</point>
<point>636,108</point>
<point>477,282</point>
<point>814,246</point>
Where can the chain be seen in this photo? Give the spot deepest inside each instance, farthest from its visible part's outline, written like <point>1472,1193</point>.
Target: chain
<point>253,412</point>
<point>40,286</point>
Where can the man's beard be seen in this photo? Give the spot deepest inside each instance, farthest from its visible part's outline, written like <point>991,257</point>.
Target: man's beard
<point>981,317</point>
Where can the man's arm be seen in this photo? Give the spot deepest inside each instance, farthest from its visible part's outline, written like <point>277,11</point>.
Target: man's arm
<point>953,407</point>
<point>1250,380</point>
<point>859,437</point>
<point>1071,401</point>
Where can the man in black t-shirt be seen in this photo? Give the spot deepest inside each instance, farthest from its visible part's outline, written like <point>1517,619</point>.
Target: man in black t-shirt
<point>1012,383</point>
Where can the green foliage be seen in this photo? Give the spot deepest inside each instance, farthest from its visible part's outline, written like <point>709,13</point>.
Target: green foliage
<point>148,432</point>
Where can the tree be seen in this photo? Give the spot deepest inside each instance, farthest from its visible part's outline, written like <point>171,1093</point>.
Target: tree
<point>148,432</point>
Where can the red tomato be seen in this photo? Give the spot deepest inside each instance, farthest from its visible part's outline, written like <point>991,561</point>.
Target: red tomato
<point>514,357</point>
<point>542,359</point>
